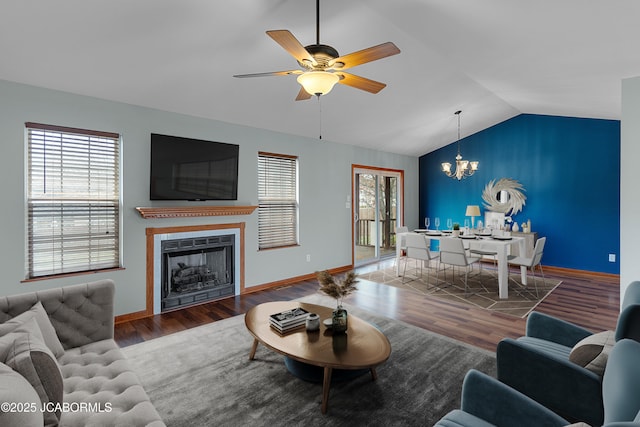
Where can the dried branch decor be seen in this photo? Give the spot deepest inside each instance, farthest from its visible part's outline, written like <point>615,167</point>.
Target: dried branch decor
<point>338,290</point>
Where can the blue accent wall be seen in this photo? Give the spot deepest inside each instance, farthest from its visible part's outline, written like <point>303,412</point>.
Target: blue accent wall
<point>570,170</point>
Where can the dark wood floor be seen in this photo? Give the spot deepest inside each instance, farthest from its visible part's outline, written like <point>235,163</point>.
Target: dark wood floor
<point>589,300</point>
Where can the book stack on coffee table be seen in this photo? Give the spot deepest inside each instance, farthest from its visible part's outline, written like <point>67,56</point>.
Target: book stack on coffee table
<point>288,320</point>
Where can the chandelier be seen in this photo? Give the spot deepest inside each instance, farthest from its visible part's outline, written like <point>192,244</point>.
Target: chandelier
<point>464,168</point>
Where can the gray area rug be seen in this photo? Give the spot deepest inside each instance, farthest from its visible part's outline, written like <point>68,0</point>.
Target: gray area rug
<point>203,377</point>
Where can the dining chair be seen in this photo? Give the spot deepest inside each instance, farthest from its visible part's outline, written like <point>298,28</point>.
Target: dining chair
<point>417,249</point>
<point>453,253</point>
<point>402,245</point>
<point>531,263</point>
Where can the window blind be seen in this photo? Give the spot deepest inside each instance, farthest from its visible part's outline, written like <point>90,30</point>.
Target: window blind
<point>73,200</point>
<point>277,200</point>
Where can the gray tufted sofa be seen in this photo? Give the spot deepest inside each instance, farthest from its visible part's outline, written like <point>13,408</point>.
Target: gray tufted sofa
<point>99,388</point>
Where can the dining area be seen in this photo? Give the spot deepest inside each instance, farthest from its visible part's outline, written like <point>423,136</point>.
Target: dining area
<point>452,249</point>
<point>496,244</point>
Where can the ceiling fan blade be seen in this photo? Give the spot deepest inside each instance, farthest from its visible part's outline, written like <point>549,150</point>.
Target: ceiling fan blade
<point>303,95</point>
<point>365,55</point>
<point>361,83</point>
<point>287,40</point>
<point>272,73</point>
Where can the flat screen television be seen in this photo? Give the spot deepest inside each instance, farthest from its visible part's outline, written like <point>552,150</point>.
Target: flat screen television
<point>193,169</point>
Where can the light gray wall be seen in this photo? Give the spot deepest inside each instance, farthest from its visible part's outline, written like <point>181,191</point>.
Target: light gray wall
<point>629,195</point>
<point>325,183</point>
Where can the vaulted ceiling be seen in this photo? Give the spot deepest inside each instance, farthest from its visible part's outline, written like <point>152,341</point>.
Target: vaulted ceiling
<point>493,59</point>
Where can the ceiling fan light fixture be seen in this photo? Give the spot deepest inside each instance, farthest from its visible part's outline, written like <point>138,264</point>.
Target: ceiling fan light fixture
<point>318,82</point>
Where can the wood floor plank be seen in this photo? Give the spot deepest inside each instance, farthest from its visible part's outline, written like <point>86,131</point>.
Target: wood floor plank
<point>589,300</point>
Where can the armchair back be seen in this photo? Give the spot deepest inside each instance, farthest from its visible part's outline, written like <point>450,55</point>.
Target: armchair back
<point>621,383</point>
<point>628,325</point>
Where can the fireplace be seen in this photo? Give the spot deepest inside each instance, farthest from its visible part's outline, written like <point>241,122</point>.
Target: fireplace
<point>193,264</point>
<point>196,269</point>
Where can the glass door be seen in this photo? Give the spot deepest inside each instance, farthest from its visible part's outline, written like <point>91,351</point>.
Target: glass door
<point>376,213</point>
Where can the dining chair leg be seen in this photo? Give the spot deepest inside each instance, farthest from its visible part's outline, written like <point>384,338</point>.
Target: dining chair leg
<point>421,274</point>
<point>444,281</point>
<point>438,274</point>
<point>526,288</point>
<point>428,270</point>
<point>535,281</point>
<point>479,262</point>
<point>467,290</point>
<point>466,283</point>
<point>495,266</point>
<point>404,272</point>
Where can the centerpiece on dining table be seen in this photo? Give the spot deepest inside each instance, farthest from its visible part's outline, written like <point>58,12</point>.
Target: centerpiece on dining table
<point>338,289</point>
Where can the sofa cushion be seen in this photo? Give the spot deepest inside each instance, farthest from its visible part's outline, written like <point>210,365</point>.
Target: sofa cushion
<point>98,374</point>
<point>23,401</point>
<point>592,352</point>
<point>24,351</point>
<point>46,328</point>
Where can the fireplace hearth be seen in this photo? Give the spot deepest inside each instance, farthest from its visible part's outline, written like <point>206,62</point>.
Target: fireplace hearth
<point>195,270</point>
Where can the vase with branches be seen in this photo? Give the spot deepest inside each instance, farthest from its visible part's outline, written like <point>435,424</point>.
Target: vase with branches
<point>338,289</point>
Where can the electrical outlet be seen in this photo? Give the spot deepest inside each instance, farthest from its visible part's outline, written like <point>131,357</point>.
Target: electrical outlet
<point>612,257</point>
<point>308,258</point>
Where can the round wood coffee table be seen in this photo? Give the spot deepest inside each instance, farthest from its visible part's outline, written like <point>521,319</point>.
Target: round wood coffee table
<point>362,347</point>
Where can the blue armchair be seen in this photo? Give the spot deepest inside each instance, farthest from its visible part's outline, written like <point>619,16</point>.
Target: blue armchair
<point>487,402</point>
<point>538,364</point>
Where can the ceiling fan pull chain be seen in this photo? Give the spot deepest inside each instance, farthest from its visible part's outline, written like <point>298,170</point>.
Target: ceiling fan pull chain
<point>320,118</point>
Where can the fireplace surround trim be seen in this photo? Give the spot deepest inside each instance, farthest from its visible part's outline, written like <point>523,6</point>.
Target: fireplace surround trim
<point>153,232</point>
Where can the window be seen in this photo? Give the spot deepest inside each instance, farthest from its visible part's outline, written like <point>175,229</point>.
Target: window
<point>73,200</point>
<point>277,200</point>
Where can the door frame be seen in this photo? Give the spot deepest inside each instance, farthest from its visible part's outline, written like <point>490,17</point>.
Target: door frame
<point>375,170</point>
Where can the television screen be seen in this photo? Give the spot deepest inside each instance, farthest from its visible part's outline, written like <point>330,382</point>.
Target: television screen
<point>193,169</point>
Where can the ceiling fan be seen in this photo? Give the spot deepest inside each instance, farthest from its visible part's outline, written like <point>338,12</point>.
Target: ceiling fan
<point>323,66</point>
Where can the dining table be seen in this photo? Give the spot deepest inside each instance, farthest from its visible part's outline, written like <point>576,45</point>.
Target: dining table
<point>497,242</point>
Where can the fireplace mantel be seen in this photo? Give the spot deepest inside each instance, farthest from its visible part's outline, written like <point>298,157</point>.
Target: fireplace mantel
<point>193,211</point>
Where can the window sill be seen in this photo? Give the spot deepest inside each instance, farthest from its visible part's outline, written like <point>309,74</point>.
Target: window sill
<point>78,273</point>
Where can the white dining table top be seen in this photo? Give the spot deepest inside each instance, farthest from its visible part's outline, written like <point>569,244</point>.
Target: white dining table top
<point>483,237</point>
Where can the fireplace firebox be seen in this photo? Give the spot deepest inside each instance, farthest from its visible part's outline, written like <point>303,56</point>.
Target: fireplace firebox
<point>195,270</point>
